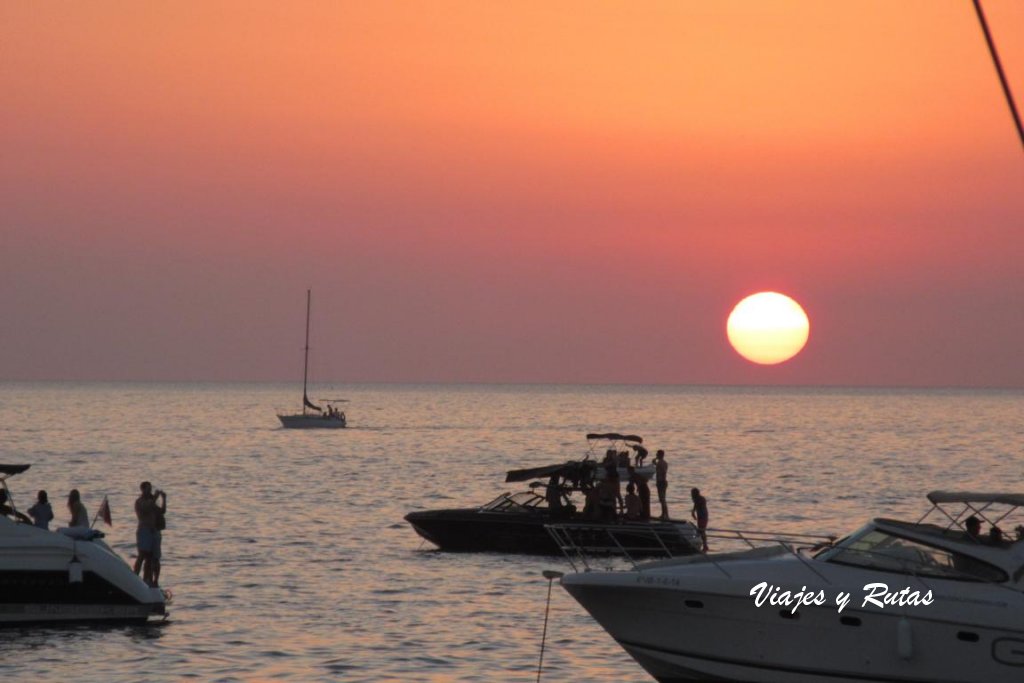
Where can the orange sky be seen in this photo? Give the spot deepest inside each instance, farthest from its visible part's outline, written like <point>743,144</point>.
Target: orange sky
<point>494,191</point>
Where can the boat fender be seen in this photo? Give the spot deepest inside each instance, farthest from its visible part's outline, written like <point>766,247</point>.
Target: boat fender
<point>74,571</point>
<point>904,639</point>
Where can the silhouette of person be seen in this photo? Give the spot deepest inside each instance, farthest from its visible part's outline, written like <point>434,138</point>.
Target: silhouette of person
<point>973,526</point>
<point>553,495</point>
<point>79,515</point>
<point>632,502</point>
<point>147,534</point>
<point>8,510</point>
<point>661,481</point>
<point>41,512</point>
<point>643,492</point>
<point>700,513</point>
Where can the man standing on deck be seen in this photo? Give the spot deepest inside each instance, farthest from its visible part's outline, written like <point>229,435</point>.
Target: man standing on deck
<point>147,536</point>
<point>661,479</point>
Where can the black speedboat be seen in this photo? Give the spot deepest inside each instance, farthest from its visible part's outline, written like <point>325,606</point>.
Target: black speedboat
<point>517,522</point>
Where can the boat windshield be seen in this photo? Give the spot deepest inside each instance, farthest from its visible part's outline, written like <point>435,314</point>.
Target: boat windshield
<point>526,501</point>
<point>877,549</point>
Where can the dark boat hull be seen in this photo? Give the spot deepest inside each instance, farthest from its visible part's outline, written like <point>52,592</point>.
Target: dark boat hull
<point>49,597</point>
<point>475,530</point>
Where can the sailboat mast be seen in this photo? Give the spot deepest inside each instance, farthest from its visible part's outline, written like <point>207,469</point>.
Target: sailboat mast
<point>305,363</point>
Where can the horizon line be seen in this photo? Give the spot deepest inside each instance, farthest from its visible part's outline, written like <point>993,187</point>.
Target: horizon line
<point>696,385</point>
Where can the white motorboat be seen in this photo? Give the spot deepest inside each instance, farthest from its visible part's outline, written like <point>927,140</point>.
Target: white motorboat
<point>66,575</point>
<point>950,605</point>
<point>312,415</point>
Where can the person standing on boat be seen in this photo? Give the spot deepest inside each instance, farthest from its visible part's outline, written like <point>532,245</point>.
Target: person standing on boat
<point>79,515</point>
<point>609,495</point>
<point>553,495</point>
<point>661,480</point>
<point>147,535</point>
<point>41,513</point>
<point>615,485</point>
<point>700,513</point>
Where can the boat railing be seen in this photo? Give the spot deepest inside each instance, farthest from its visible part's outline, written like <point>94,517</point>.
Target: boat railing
<point>757,539</point>
<point>768,542</point>
<point>585,544</point>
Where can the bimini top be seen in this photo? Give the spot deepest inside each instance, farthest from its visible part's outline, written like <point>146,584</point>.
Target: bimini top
<point>13,469</point>
<point>613,436</point>
<point>970,497</point>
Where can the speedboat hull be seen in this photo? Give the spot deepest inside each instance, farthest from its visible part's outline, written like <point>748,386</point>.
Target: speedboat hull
<point>476,530</point>
<point>700,623</point>
<point>300,421</point>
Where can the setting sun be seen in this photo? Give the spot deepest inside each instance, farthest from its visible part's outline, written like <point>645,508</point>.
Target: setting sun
<point>768,328</point>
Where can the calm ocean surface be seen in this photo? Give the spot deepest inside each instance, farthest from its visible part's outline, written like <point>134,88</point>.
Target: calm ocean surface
<point>289,558</point>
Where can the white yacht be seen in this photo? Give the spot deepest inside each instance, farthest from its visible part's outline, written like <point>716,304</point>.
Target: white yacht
<point>951,604</point>
<point>50,576</point>
<point>312,415</point>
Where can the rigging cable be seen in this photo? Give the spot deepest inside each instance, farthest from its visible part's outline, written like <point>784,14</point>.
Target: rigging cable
<point>999,70</point>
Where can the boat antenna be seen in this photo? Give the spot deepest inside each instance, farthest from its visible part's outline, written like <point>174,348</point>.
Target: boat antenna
<point>999,70</point>
<point>550,575</point>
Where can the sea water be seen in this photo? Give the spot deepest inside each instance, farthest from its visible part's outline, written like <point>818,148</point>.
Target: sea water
<point>289,558</point>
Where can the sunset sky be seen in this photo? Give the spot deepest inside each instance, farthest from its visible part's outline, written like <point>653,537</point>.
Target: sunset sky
<point>493,191</point>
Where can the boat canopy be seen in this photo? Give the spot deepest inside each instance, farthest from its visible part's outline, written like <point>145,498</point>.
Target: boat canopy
<point>613,436</point>
<point>13,469</point>
<point>574,470</point>
<point>969,498</point>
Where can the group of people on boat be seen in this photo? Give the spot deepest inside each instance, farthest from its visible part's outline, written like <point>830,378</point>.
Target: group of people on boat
<point>604,501</point>
<point>995,536</point>
<point>333,413</point>
<point>150,513</point>
<point>41,513</point>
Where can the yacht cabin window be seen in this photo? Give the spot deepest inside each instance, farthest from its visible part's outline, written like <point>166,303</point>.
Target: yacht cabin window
<point>877,549</point>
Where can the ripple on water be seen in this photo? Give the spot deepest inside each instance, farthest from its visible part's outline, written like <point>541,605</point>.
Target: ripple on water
<point>290,560</point>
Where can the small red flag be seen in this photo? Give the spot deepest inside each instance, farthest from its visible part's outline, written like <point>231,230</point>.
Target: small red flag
<point>105,512</point>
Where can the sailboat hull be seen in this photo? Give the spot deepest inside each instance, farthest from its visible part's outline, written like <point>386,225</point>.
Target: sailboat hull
<point>300,421</point>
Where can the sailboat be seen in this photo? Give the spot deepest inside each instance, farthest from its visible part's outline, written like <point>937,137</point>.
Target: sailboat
<point>308,419</point>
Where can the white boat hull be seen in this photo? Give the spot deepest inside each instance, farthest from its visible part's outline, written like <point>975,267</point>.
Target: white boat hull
<point>300,421</point>
<point>37,583</point>
<point>703,626</point>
